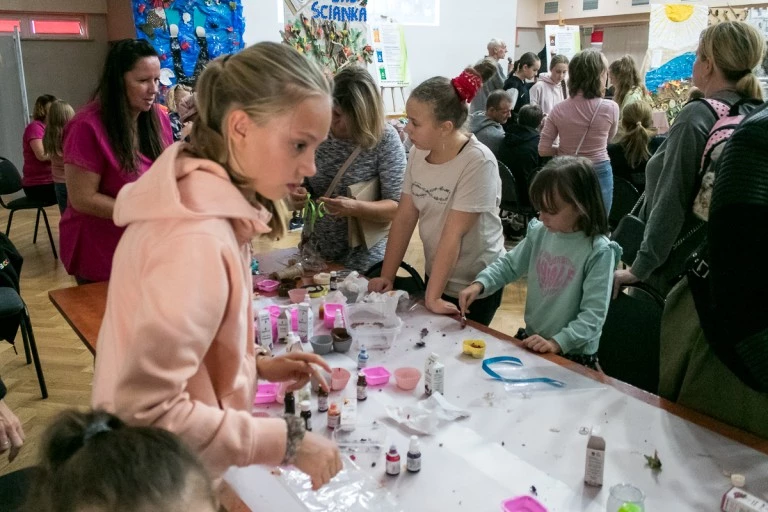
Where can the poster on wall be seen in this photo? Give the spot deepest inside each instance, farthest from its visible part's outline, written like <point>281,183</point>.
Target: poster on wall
<point>188,33</point>
<point>562,40</point>
<point>390,54</point>
<point>333,33</point>
<point>673,37</point>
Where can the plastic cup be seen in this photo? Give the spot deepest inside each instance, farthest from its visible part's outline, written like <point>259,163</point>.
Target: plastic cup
<point>339,378</point>
<point>625,498</point>
<point>407,378</point>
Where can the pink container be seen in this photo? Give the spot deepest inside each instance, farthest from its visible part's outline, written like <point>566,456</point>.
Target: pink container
<point>266,393</point>
<point>330,314</point>
<point>339,378</point>
<point>267,285</point>
<point>376,375</point>
<point>274,312</point>
<point>298,295</point>
<point>522,504</point>
<point>407,378</point>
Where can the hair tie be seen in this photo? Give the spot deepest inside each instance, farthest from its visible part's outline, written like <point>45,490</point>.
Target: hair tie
<point>99,426</point>
<point>467,85</point>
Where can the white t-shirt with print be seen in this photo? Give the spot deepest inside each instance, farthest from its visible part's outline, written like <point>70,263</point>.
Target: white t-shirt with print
<point>468,183</point>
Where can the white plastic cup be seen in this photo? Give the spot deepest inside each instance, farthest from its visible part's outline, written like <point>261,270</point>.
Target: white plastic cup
<point>625,498</point>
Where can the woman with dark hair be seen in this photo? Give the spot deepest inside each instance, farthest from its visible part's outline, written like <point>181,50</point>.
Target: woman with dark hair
<point>585,122</point>
<point>358,125</point>
<point>112,141</point>
<point>37,179</point>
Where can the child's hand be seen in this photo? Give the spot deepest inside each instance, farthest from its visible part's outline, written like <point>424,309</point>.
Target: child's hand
<point>541,345</point>
<point>468,295</point>
<point>441,307</point>
<point>380,284</point>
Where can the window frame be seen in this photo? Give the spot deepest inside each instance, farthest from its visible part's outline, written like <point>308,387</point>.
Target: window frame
<point>27,20</point>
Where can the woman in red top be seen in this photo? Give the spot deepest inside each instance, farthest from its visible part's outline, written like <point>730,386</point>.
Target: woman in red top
<point>37,179</point>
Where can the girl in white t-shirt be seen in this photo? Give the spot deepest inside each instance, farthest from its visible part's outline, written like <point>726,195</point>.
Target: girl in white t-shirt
<point>453,190</point>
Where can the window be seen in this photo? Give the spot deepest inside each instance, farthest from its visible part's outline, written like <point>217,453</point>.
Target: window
<point>46,26</point>
<point>589,5</point>
<point>551,7</point>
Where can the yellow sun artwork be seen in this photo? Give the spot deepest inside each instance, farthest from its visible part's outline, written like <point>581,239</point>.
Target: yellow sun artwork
<point>674,29</point>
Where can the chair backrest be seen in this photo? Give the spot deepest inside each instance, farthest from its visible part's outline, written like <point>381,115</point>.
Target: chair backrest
<point>10,264</point>
<point>508,188</point>
<point>413,284</point>
<point>630,342</point>
<point>625,195</point>
<point>10,179</point>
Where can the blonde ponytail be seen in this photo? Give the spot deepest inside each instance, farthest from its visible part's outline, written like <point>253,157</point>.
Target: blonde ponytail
<point>735,48</point>
<point>636,132</point>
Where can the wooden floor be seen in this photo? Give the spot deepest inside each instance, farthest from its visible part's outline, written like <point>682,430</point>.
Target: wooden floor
<point>68,366</point>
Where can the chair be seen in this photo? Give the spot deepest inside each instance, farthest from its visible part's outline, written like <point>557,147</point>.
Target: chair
<point>514,197</point>
<point>413,284</point>
<point>625,196</point>
<point>630,342</point>
<point>508,188</point>
<point>10,183</point>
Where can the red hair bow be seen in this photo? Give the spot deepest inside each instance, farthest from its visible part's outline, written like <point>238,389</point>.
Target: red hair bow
<point>467,85</point>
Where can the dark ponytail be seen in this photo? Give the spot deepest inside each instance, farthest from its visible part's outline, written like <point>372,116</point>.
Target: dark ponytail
<point>527,59</point>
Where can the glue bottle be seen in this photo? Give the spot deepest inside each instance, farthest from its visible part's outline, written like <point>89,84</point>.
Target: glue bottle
<point>393,461</point>
<point>413,461</point>
<point>362,358</point>
<point>338,320</point>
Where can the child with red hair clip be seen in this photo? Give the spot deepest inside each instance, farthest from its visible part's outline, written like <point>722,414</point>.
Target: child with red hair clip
<point>453,190</point>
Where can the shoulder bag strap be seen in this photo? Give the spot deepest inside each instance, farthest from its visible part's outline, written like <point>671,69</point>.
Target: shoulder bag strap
<point>588,127</point>
<point>342,170</point>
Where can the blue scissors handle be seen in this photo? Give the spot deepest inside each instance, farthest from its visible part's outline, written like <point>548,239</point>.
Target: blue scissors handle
<point>516,362</point>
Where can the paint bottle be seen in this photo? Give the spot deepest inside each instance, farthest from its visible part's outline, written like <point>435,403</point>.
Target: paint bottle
<point>338,320</point>
<point>283,325</point>
<point>595,464</point>
<point>306,415</point>
<point>362,387</point>
<point>334,284</point>
<point>290,403</point>
<point>393,461</point>
<point>306,322</point>
<point>334,416</point>
<point>322,400</point>
<point>362,358</point>
<point>413,460</point>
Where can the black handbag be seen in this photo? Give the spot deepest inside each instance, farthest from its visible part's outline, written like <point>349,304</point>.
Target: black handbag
<point>629,233</point>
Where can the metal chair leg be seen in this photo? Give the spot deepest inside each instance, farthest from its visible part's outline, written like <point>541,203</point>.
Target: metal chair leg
<point>27,324</point>
<point>8,226</point>
<point>37,223</point>
<point>25,339</point>
<point>50,236</point>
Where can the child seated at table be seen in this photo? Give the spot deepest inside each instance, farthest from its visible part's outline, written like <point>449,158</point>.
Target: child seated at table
<point>569,262</point>
<point>93,461</point>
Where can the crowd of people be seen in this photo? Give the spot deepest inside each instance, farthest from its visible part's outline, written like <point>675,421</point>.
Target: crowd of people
<point>265,132</point>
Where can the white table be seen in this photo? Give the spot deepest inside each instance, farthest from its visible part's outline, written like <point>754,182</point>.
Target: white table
<point>465,466</point>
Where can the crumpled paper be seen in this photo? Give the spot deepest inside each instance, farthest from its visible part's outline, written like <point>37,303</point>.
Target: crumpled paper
<point>427,416</point>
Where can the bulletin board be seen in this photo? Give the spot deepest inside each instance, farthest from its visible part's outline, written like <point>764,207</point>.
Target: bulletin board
<point>188,33</point>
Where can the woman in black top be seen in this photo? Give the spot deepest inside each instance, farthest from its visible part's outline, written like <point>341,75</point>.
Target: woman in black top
<point>523,69</point>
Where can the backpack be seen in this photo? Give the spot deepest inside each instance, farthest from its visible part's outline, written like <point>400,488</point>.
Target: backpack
<point>728,118</point>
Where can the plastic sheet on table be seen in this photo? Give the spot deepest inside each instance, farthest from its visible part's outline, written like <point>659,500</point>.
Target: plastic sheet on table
<point>351,490</point>
<point>544,379</point>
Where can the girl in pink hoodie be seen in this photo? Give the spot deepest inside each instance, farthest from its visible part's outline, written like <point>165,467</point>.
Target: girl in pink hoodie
<point>176,348</point>
<point>550,89</point>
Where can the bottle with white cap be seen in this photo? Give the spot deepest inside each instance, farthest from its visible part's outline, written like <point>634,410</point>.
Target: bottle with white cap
<point>413,461</point>
<point>338,320</point>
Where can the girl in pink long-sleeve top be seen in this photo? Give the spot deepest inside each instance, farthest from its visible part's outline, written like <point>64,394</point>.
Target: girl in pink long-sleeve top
<point>176,348</point>
<point>585,122</point>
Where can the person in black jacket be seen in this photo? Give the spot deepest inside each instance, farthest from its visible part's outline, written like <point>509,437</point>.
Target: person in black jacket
<point>520,150</point>
<point>517,84</point>
<point>722,370</point>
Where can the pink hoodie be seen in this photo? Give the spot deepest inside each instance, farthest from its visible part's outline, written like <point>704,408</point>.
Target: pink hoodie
<point>176,348</point>
<point>546,94</point>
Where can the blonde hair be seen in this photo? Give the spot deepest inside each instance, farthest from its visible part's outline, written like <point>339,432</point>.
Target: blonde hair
<point>265,80</point>
<point>735,48</point>
<point>170,98</point>
<point>626,77</point>
<point>355,92</point>
<point>59,114</point>
<point>636,132</point>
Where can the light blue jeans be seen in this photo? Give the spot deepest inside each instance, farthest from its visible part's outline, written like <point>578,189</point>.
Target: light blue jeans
<point>605,178</point>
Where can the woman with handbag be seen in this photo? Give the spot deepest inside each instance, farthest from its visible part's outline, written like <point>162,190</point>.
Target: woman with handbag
<point>360,170</point>
<point>725,58</point>
<point>585,122</point>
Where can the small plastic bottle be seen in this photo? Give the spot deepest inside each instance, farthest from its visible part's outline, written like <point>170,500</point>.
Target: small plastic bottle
<point>322,400</point>
<point>334,416</point>
<point>290,403</point>
<point>362,358</point>
<point>306,415</point>
<point>393,461</point>
<point>362,387</point>
<point>334,284</point>
<point>321,310</point>
<point>338,320</point>
<point>413,460</point>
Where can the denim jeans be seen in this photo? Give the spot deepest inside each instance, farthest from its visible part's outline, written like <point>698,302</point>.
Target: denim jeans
<point>605,178</point>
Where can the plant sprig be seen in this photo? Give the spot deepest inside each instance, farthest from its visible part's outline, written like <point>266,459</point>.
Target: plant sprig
<point>312,212</point>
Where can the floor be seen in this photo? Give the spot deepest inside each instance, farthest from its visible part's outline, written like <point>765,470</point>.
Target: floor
<point>68,366</point>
